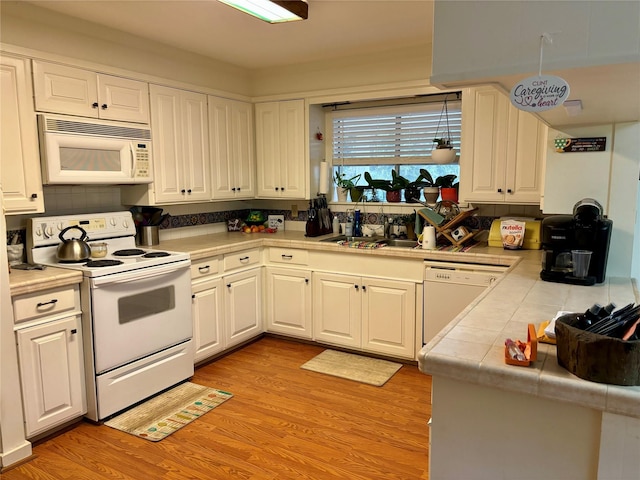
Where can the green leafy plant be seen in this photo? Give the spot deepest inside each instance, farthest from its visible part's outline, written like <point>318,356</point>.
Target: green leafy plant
<point>442,143</point>
<point>428,179</point>
<point>341,181</point>
<point>446,181</point>
<point>397,182</point>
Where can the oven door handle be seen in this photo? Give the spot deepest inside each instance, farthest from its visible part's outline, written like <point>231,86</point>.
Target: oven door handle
<point>140,274</point>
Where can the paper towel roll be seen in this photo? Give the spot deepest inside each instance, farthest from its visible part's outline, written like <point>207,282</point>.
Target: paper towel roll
<point>323,184</point>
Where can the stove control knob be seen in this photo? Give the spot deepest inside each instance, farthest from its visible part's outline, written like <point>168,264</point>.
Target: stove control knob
<point>113,222</point>
<point>38,232</point>
<point>48,232</point>
<point>60,226</point>
<point>125,224</point>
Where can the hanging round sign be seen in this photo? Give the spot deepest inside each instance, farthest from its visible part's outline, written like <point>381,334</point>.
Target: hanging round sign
<point>539,93</point>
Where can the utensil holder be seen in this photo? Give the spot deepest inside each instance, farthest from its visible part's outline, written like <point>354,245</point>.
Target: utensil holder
<point>147,236</point>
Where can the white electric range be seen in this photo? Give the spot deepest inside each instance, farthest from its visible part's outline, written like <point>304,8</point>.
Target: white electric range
<point>136,309</point>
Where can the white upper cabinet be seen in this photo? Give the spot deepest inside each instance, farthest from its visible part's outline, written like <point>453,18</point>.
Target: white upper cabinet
<point>280,148</point>
<point>232,149</point>
<point>73,91</point>
<point>180,145</point>
<point>20,163</point>
<point>503,150</point>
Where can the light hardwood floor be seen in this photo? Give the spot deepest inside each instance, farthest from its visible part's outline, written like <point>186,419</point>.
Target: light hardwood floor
<point>282,423</point>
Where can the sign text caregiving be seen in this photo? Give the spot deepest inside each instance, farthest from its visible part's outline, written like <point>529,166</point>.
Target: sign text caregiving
<point>540,93</point>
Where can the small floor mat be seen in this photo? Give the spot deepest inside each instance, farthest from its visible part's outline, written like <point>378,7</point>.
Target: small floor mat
<point>168,412</point>
<point>372,371</point>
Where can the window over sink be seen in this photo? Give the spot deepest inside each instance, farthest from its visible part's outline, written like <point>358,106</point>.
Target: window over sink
<point>378,137</point>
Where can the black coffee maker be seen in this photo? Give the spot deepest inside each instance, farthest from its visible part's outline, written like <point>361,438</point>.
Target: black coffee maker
<point>588,230</point>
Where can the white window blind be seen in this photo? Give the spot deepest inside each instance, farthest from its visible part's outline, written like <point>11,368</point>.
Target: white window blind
<point>400,134</point>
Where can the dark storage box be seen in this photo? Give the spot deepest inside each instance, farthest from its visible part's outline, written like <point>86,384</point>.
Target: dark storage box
<point>595,357</point>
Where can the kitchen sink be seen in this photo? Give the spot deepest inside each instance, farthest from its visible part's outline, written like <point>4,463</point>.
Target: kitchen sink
<point>391,242</point>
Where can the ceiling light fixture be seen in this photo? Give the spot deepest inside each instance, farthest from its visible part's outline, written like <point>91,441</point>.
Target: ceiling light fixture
<point>272,11</point>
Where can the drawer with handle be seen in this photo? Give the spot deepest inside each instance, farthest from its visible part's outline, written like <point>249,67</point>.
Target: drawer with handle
<point>241,259</point>
<point>205,267</point>
<point>292,256</point>
<point>46,303</point>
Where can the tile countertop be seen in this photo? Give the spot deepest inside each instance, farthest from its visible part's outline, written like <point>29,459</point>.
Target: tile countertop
<point>471,347</point>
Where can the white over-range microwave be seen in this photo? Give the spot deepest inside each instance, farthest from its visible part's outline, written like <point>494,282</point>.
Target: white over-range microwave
<point>79,151</point>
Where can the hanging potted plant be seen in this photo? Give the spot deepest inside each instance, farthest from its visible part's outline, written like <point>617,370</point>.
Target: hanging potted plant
<point>444,152</point>
<point>431,191</point>
<point>344,185</point>
<point>448,189</point>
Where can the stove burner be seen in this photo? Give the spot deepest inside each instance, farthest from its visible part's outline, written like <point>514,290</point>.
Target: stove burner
<point>156,254</point>
<point>130,252</point>
<point>102,263</point>
<point>72,261</point>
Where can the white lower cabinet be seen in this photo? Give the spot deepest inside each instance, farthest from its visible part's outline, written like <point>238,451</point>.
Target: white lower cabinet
<point>242,306</point>
<point>227,308</point>
<point>208,316</point>
<point>52,373</point>
<point>288,299</point>
<point>373,314</point>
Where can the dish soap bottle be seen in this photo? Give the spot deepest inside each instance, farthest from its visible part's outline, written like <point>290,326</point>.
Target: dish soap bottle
<point>357,225</point>
<point>348,228</point>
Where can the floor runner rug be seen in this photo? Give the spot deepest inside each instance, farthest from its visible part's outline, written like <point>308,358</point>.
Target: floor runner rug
<point>168,412</point>
<point>372,371</point>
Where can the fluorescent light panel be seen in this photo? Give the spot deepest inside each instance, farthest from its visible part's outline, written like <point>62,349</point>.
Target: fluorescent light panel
<point>272,11</point>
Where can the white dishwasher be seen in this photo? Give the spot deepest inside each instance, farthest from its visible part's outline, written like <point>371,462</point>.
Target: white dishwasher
<point>449,288</point>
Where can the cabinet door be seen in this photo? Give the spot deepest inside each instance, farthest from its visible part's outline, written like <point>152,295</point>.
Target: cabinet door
<point>337,309</point>
<point>388,317</point>
<point>232,148</point>
<point>167,144</point>
<point>292,157</point>
<point>484,145</point>
<point>123,99</point>
<point>243,306</point>
<point>20,168</point>
<point>268,149</point>
<point>52,374</point>
<point>527,149</point>
<point>62,89</point>
<point>195,147</point>
<point>208,314</point>
<point>289,302</point>
<point>243,149</point>
<point>222,168</point>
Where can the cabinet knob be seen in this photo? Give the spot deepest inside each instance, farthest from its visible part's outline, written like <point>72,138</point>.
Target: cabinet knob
<point>104,106</point>
<point>277,188</point>
<point>499,190</point>
<point>239,189</point>
<point>233,189</point>
<point>364,288</point>
<point>193,295</point>
<point>228,285</point>
<point>306,280</point>
<point>74,331</point>
<point>189,191</point>
<point>94,105</point>
<point>509,190</point>
<point>282,189</point>
<point>34,195</point>
<point>356,287</point>
<point>183,191</point>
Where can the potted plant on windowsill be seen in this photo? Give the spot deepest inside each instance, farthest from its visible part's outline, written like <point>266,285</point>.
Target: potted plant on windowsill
<point>448,189</point>
<point>431,191</point>
<point>392,187</point>
<point>413,189</point>
<point>345,185</point>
